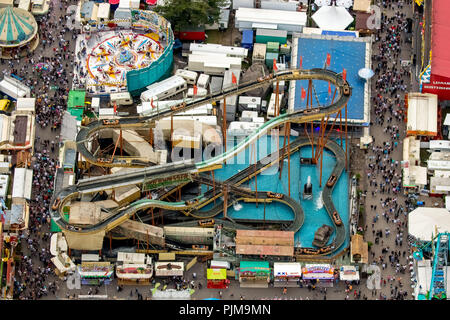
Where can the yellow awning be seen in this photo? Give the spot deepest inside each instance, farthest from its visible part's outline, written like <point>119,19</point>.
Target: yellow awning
<point>216,274</point>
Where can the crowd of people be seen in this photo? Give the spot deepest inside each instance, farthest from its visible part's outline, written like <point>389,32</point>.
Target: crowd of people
<point>35,276</point>
<point>384,176</point>
<point>45,73</point>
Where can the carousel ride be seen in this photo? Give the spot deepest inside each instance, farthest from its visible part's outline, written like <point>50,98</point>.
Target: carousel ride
<point>109,61</point>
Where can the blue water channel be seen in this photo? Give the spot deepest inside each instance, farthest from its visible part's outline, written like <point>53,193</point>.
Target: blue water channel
<point>268,180</point>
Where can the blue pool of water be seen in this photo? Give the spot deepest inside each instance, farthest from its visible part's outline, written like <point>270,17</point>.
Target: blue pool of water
<point>345,54</point>
<point>315,213</point>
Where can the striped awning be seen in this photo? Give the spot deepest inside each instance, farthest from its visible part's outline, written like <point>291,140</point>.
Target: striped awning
<point>17,27</point>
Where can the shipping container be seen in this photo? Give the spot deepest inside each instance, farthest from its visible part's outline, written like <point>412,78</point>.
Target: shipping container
<point>247,39</point>
<point>259,53</point>
<point>279,5</point>
<point>273,47</point>
<point>266,35</point>
<point>191,34</point>
<point>215,86</point>
<point>243,4</point>
<point>269,59</point>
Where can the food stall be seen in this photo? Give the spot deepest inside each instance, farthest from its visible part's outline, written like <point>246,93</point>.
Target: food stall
<point>349,273</point>
<point>134,268</point>
<point>94,273</point>
<point>217,279</point>
<point>254,274</point>
<point>323,273</point>
<point>286,274</point>
<point>169,269</point>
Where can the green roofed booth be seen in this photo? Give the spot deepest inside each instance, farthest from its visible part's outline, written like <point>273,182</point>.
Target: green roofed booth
<point>75,103</point>
<point>254,274</point>
<point>18,32</point>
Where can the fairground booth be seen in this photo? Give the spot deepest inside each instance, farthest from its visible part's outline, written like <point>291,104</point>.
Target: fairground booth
<point>217,279</point>
<point>319,273</point>
<point>93,273</point>
<point>169,269</point>
<point>254,274</point>
<point>349,273</point>
<point>286,274</point>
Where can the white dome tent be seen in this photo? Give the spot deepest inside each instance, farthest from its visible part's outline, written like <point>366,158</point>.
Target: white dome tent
<point>332,18</point>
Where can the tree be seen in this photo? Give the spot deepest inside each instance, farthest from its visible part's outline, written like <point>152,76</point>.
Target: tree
<point>195,13</point>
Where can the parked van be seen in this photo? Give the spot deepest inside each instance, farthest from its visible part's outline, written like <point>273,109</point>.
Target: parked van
<point>189,76</point>
<point>121,99</point>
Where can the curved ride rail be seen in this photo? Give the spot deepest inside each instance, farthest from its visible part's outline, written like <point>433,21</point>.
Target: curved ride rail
<point>300,116</point>
<point>161,171</point>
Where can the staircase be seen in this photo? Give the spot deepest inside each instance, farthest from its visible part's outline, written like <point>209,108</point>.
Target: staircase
<point>438,280</point>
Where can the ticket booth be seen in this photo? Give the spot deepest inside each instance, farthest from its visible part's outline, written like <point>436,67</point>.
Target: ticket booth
<point>217,279</point>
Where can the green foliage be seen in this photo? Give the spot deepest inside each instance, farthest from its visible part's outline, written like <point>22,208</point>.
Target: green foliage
<point>195,13</point>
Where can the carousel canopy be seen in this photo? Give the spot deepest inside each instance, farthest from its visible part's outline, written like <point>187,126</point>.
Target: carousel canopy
<point>17,27</point>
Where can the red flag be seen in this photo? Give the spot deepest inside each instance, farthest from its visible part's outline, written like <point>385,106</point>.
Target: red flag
<point>195,90</point>
<point>233,78</point>
<point>329,88</point>
<point>275,68</point>
<point>115,107</point>
<point>344,74</point>
<point>301,62</point>
<point>303,94</point>
<point>328,59</point>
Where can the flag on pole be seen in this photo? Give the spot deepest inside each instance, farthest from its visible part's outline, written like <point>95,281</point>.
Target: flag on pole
<point>303,94</point>
<point>233,78</point>
<point>115,107</point>
<point>195,90</point>
<point>300,63</point>
<point>344,74</point>
<point>329,88</point>
<point>275,68</point>
<point>328,59</point>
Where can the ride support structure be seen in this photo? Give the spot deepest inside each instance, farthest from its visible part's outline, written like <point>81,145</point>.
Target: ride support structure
<point>317,148</point>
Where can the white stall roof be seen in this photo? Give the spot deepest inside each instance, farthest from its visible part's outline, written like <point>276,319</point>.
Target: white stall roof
<point>423,222</point>
<point>414,176</point>
<point>287,269</point>
<point>440,144</point>
<point>438,165</point>
<point>422,114</point>
<point>348,273</point>
<point>26,104</point>
<point>22,185</point>
<point>411,149</point>
<point>332,18</point>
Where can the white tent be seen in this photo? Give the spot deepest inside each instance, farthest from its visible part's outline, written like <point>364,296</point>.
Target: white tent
<point>332,18</point>
<point>422,114</point>
<point>423,222</point>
